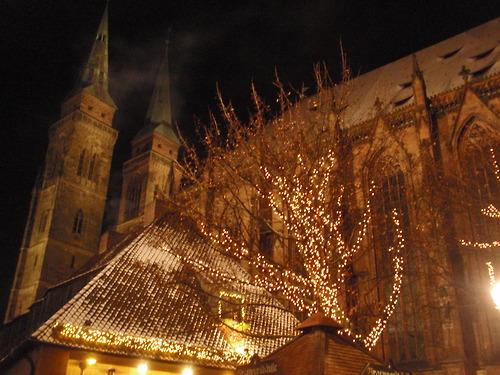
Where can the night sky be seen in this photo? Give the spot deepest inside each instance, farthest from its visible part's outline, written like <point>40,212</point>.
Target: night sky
<point>44,44</point>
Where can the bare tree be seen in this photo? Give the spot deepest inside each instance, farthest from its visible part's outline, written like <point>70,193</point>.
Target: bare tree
<point>281,181</point>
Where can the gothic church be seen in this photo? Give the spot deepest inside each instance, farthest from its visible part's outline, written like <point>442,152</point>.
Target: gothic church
<point>87,302</point>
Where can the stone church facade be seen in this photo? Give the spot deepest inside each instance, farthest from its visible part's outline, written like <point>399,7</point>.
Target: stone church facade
<point>429,138</point>
<point>426,126</point>
<point>64,227</point>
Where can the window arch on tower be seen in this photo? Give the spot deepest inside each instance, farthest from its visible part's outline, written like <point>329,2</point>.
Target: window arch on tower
<point>78,222</point>
<point>42,225</point>
<point>88,162</point>
<point>169,184</point>
<point>133,198</point>
<point>81,163</point>
<point>92,166</point>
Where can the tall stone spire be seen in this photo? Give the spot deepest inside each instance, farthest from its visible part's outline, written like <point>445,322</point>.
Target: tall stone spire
<point>63,229</point>
<point>159,114</point>
<point>94,77</point>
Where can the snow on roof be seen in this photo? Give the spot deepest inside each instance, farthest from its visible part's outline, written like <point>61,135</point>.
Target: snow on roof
<point>477,50</point>
<point>148,302</point>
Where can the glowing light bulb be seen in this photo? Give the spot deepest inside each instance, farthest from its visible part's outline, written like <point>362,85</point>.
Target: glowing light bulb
<point>495,294</point>
<point>91,361</point>
<point>187,371</point>
<point>240,348</point>
<point>142,368</point>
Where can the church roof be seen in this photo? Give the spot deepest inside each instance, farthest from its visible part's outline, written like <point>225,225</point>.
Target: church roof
<point>147,302</point>
<point>442,64</point>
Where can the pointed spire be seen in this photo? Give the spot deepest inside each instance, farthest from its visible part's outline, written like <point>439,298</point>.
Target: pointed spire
<point>419,87</point>
<point>159,110</point>
<point>94,77</point>
<point>417,72</point>
<point>159,114</point>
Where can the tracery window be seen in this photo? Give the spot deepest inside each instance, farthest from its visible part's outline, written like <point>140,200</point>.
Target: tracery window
<point>87,165</point>
<point>81,162</point>
<point>43,221</point>
<point>92,165</point>
<point>481,185</point>
<point>477,150</point>
<point>78,222</point>
<point>405,336</point>
<point>169,183</point>
<point>134,194</point>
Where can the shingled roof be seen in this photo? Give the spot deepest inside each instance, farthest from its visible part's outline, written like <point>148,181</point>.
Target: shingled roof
<point>148,302</point>
<point>477,50</point>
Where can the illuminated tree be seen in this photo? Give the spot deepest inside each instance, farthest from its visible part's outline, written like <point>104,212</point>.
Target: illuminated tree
<point>276,191</point>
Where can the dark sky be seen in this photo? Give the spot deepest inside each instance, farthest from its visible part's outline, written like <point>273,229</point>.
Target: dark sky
<point>44,43</point>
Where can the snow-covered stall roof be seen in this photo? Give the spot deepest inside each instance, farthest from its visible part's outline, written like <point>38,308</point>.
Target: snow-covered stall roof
<point>477,50</point>
<point>149,302</point>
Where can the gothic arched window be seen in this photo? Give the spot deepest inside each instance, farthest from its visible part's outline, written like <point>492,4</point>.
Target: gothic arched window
<point>169,183</point>
<point>81,162</point>
<point>405,336</point>
<point>78,222</point>
<point>43,221</point>
<point>481,185</point>
<point>92,165</point>
<point>477,150</point>
<point>134,194</point>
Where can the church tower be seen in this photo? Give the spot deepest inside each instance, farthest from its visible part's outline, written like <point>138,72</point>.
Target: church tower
<point>68,200</point>
<point>151,174</point>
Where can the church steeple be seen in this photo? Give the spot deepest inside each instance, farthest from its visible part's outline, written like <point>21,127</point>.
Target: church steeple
<point>151,175</point>
<point>63,229</point>
<point>159,115</point>
<point>94,76</point>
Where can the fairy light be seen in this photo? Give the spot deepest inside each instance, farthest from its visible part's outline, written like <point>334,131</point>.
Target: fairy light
<point>491,211</point>
<point>496,168</point>
<point>495,285</point>
<point>291,164</point>
<point>310,220</point>
<point>480,245</point>
<point>142,368</point>
<point>91,361</point>
<point>116,341</point>
<point>491,273</point>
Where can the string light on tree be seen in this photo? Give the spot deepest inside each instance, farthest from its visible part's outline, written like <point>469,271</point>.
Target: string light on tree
<point>292,168</point>
<point>119,342</point>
